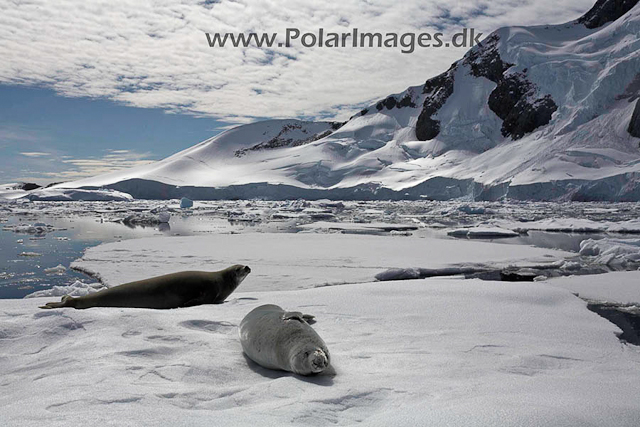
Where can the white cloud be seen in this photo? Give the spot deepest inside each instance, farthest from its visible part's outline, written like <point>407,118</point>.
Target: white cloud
<point>112,161</point>
<point>155,53</point>
<point>35,154</point>
<point>66,168</point>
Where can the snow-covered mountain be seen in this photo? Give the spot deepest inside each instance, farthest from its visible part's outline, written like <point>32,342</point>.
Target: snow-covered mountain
<point>543,112</point>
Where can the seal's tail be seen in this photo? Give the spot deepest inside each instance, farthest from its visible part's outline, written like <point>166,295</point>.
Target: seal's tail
<point>65,302</point>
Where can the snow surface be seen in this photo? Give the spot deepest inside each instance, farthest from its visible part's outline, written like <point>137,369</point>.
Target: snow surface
<point>285,261</point>
<point>63,194</point>
<point>620,287</point>
<point>433,352</point>
<point>9,191</point>
<point>60,194</point>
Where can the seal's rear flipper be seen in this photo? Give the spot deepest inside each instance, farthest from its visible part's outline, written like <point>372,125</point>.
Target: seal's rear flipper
<point>65,302</point>
<point>296,315</point>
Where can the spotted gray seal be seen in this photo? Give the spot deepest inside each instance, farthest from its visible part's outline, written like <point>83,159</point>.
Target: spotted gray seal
<point>278,339</point>
<point>183,289</point>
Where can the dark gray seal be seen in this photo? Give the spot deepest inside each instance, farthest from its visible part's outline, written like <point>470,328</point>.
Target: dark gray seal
<point>183,289</point>
<point>278,339</point>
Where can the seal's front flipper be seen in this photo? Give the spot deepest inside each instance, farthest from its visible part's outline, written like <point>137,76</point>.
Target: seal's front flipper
<point>65,302</point>
<point>296,315</point>
<point>199,300</point>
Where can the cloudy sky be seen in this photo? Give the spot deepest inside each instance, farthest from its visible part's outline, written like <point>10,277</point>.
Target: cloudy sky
<point>86,87</point>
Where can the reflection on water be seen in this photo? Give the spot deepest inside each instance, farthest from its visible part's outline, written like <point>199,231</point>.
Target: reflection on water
<point>549,240</point>
<point>23,274</point>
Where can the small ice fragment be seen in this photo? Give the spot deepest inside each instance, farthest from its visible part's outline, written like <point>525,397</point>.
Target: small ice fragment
<point>186,203</point>
<point>400,233</point>
<point>471,210</point>
<point>59,269</point>
<point>20,241</point>
<point>164,216</point>
<point>29,254</point>
<point>76,289</point>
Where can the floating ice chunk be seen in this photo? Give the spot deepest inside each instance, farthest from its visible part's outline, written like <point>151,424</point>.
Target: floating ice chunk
<point>354,226</point>
<point>147,218</point>
<point>164,217</point>
<point>631,226</point>
<point>482,232</point>
<point>59,269</point>
<point>37,228</point>
<point>472,210</point>
<point>186,203</point>
<point>29,254</point>
<point>400,233</point>
<point>77,289</point>
<point>612,252</point>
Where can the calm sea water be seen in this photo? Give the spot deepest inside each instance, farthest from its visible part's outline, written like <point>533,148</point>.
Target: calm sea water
<point>21,275</point>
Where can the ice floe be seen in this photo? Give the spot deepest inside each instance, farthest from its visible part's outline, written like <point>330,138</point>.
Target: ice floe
<point>612,252</point>
<point>438,352</point>
<point>482,232</point>
<point>76,289</point>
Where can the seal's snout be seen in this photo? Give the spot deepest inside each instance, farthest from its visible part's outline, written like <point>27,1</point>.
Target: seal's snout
<point>319,361</point>
<point>247,269</point>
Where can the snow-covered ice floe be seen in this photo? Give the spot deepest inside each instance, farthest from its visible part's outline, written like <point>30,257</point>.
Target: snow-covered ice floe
<point>612,252</point>
<point>572,225</point>
<point>147,218</point>
<point>621,287</point>
<point>76,289</point>
<point>58,269</point>
<point>482,232</point>
<point>358,226</point>
<point>283,261</point>
<point>37,228</point>
<point>437,352</point>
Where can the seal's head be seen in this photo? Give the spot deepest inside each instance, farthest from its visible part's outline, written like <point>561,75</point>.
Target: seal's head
<point>309,360</point>
<point>231,278</point>
<point>239,272</point>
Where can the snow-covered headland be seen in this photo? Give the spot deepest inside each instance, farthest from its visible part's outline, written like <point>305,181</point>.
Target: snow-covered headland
<point>545,112</point>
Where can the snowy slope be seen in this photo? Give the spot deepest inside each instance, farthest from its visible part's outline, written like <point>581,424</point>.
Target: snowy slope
<point>543,112</point>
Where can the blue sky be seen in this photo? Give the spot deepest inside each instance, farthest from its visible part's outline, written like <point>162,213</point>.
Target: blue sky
<point>45,137</point>
<point>89,87</point>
